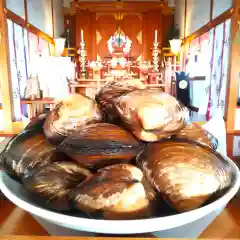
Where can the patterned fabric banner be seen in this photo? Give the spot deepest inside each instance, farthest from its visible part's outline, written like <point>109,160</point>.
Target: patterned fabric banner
<point>209,56</point>
<point>25,50</point>
<point>33,54</point>
<point>225,66</point>
<point>44,48</point>
<point>220,65</point>
<point>15,74</point>
<point>20,56</point>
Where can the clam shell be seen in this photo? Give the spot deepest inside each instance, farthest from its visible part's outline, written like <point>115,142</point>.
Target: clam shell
<point>98,145</point>
<point>184,173</point>
<point>196,133</point>
<point>114,195</point>
<point>110,91</point>
<point>37,122</point>
<point>52,184</point>
<point>28,150</point>
<point>150,114</point>
<point>69,116</point>
<point>121,172</point>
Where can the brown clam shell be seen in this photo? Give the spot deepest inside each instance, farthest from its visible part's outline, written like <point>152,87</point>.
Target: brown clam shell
<point>113,196</point>
<point>184,173</point>
<point>37,122</point>
<point>28,150</point>
<point>101,144</point>
<point>110,91</point>
<point>150,114</point>
<point>53,184</point>
<point>121,172</point>
<point>196,133</point>
<point>69,116</point>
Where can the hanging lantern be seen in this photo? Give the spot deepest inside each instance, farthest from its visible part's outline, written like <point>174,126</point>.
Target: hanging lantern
<point>59,46</point>
<point>175,45</point>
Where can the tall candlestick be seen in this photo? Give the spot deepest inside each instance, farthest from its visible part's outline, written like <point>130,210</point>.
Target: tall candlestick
<point>82,36</point>
<point>156,32</point>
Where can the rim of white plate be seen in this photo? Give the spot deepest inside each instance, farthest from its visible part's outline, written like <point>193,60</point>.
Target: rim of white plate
<point>122,226</point>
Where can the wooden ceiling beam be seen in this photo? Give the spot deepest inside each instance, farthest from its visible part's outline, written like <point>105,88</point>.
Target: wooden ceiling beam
<point>126,6</point>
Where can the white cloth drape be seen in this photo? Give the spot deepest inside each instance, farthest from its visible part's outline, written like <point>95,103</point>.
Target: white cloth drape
<point>225,66</point>
<point>14,72</point>
<point>219,71</point>
<point>19,61</point>
<point>53,73</point>
<point>212,62</point>
<point>20,58</point>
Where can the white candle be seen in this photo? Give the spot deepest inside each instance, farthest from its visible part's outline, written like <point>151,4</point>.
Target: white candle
<point>156,32</point>
<point>82,35</point>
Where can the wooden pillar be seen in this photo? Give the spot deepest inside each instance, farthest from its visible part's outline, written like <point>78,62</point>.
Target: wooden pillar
<point>5,77</point>
<point>53,24</point>
<point>234,69</point>
<point>167,24</point>
<point>83,21</point>
<point>185,19</point>
<point>153,20</point>
<point>145,36</point>
<point>94,41</point>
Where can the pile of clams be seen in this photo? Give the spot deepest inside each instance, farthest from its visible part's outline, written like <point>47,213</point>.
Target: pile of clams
<point>129,154</point>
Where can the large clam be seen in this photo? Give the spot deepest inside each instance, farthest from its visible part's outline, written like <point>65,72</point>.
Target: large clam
<point>185,173</point>
<point>69,116</point>
<point>150,114</point>
<point>196,133</point>
<point>52,185</point>
<point>113,90</point>
<point>28,150</point>
<point>101,144</point>
<point>115,192</point>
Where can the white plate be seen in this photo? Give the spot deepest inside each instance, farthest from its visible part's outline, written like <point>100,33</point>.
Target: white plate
<point>14,191</point>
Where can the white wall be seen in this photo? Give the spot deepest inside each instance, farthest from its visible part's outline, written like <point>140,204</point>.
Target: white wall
<point>58,17</point>
<point>220,6</point>
<point>197,87</point>
<point>1,120</point>
<point>16,6</point>
<point>179,16</point>
<point>40,14</point>
<point>198,13</point>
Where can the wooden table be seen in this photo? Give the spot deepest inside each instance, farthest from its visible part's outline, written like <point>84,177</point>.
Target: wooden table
<point>37,106</point>
<point>154,77</point>
<point>96,84</point>
<point>86,83</point>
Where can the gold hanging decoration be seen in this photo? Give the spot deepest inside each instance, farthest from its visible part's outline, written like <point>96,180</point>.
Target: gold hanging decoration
<point>119,16</point>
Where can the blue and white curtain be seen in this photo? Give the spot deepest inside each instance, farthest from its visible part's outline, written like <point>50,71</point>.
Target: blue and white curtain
<point>219,65</point>
<point>18,63</point>
<point>212,62</point>
<point>25,49</point>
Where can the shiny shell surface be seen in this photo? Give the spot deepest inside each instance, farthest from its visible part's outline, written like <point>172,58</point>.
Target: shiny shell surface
<point>70,116</point>
<point>101,144</point>
<point>28,150</point>
<point>196,133</point>
<point>115,197</point>
<point>150,114</point>
<point>52,184</point>
<point>184,173</point>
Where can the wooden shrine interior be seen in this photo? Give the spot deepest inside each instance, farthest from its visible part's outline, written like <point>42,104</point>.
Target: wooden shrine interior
<point>103,17</point>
